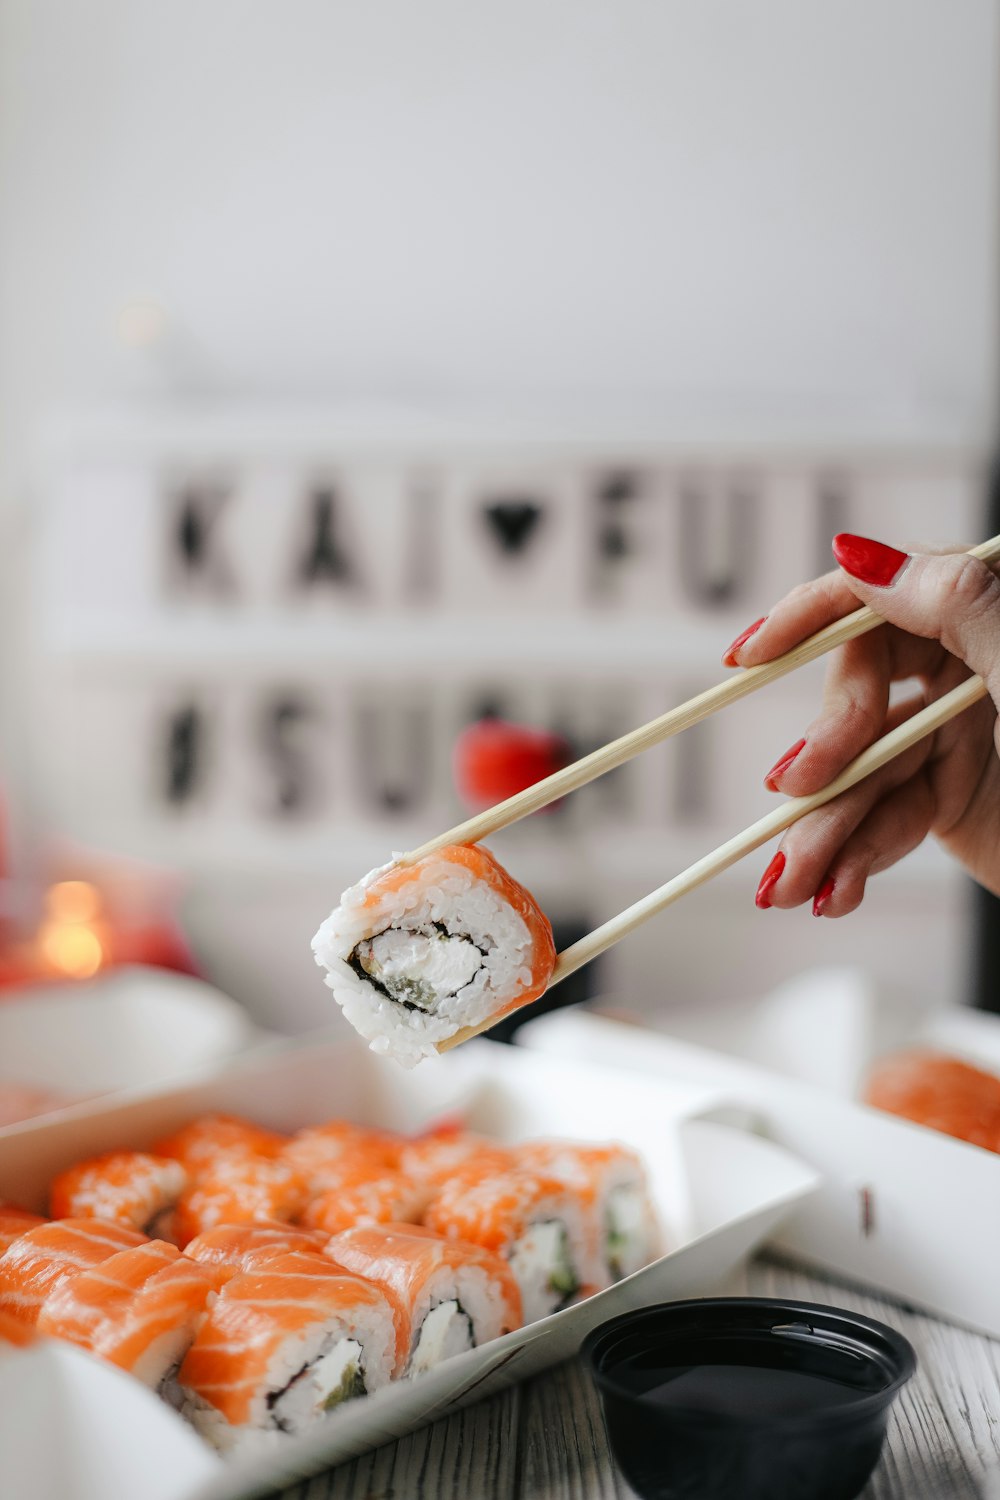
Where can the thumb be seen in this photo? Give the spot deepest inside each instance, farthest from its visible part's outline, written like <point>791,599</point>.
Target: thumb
<point>949,597</point>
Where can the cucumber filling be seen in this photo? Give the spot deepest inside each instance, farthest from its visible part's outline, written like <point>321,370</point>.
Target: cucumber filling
<point>625,1241</point>
<point>543,1266</point>
<point>445,1332</point>
<point>417,967</point>
<point>335,1376</point>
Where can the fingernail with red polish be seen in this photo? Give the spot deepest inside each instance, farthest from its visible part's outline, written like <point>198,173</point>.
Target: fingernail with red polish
<point>871,562</point>
<point>769,880</point>
<point>779,768</point>
<point>729,656</point>
<point>822,896</point>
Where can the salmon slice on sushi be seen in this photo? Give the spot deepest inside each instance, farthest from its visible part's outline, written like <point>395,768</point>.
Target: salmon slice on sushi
<point>139,1309</point>
<point>433,1158</point>
<point>237,1190</point>
<point>199,1144</point>
<point>448,1296</point>
<point>528,1218</point>
<point>415,953</point>
<point>241,1245</point>
<point>38,1262</point>
<point>944,1093</point>
<point>282,1346</point>
<point>15,1221</point>
<point>14,1334</point>
<point>321,1153</point>
<point>357,1195</point>
<point>125,1187</point>
<point>609,1183</point>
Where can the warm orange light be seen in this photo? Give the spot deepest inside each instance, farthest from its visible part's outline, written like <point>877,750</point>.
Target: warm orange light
<point>73,949</point>
<point>73,901</point>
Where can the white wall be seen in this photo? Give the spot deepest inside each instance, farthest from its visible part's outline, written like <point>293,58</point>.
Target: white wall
<point>658,200</point>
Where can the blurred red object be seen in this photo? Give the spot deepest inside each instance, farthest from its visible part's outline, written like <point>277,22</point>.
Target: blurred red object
<point>494,760</point>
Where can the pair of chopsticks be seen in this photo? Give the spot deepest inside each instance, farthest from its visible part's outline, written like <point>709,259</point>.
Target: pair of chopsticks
<point>609,756</point>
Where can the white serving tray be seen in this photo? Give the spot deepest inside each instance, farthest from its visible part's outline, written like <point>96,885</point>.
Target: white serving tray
<point>720,1191</point>
<point>904,1208</point>
<point>134,1027</point>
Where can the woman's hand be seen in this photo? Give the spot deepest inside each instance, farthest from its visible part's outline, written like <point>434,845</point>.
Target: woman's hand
<point>944,623</point>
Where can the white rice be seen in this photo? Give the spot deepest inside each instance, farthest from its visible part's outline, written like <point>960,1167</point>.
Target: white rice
<point>448,948</point>
<point>476,1316</point>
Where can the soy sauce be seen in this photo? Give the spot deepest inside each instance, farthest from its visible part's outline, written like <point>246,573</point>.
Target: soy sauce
<point>747,1398</point>
<point>772,1377</point>
<point>753,1391</point>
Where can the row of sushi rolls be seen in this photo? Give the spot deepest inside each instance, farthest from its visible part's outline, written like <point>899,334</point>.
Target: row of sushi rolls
<point>259,1281</point>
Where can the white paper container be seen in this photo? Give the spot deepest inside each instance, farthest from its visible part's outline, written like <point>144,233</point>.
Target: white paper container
<point>720,1192</point>
<point>133,1028</point>
<point>901,1207</point>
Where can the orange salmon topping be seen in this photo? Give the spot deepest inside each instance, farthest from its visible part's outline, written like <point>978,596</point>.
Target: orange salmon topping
<point>940,1092</point>
<point>126,1187</point>
<point>39,1262</point>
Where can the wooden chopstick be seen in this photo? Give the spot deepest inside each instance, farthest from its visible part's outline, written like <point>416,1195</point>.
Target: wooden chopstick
<point>877,755</point>
<point>673,722</point>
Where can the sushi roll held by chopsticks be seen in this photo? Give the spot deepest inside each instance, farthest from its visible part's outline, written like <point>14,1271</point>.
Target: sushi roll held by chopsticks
<point>416,953</point>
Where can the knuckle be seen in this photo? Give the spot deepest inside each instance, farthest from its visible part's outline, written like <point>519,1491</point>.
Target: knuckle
<point>802,593</point>
<point>966,593</point>
<point>974,586</point>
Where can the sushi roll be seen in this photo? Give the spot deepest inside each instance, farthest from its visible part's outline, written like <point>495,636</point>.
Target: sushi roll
<point>139,1310</point>
<point>448,1296</point>
<point>530,1220</point>
<point>37,1263</point>
<point>944,1093</point>
<point>125,1187</point>
<point>199,1144</point>
<point>433,1158</point>
<point>416,953</point>
<point>237,1190</point>
<point>15,1221</point>
<point>609,1183</point>
<point>321,1152</point>
<point>357,1195</point>
<point>283,1345</point>
<point>240,1245</point>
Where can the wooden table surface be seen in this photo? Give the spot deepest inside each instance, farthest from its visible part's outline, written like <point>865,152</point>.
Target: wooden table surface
<point>545,1440</point>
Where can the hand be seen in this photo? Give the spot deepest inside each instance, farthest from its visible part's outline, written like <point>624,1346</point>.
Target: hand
<point>944,624</point>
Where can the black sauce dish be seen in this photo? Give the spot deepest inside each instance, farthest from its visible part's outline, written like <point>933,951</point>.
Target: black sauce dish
<point>747,1398</point>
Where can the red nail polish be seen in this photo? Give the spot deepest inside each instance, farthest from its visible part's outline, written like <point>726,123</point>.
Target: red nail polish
<point>822,896</point>
<point>769,880</point>
<point>781,766</point>
<point>872,562</point>
<point>729,655</point>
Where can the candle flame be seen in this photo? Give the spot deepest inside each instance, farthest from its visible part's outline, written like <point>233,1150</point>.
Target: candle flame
<point>68,939</point>
<point>72,949</point>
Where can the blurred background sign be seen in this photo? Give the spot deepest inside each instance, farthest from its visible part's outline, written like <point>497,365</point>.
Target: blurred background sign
<point>366,371</point>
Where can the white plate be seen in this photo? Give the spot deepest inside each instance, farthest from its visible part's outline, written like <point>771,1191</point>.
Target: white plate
<point>720,1192</point>
<point>133,1028</point>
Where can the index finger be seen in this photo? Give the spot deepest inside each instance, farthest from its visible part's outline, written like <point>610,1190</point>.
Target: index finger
<point>808,608</point>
